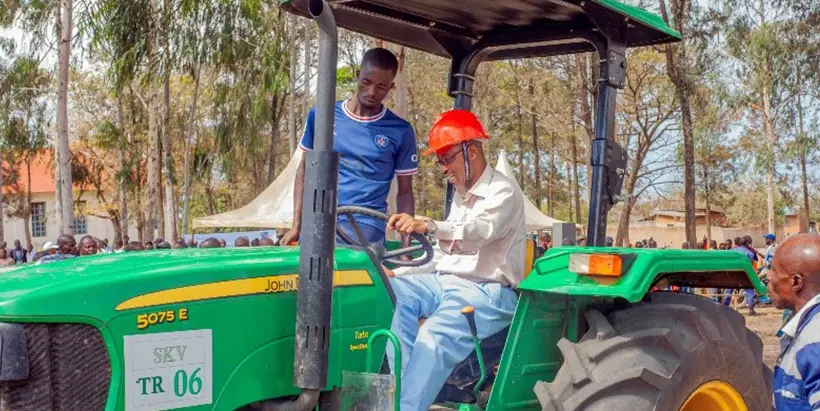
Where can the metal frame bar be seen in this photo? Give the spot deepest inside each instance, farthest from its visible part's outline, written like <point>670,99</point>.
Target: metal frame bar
<point>608,158</point>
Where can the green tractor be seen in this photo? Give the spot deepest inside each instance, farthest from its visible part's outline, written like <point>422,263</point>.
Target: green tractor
<point>300,328</point>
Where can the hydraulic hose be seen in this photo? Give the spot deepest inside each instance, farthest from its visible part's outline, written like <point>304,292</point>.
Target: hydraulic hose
<point>306,402</point>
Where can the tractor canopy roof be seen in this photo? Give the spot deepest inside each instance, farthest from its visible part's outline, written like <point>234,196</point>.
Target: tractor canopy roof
<point>453,28</point>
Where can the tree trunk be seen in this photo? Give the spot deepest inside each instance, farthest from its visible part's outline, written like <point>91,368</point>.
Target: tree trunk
<point>535,152</point>
<point>520,116</point>
<point>569,192</point>
<point>116,225</point>
<point>190,143</point>
<point>65,196</point>
<point>676,71</point>
<point>122,159</point>
<point>28,203</point>
<point>768,128</point>
<point>584,92</point>
<point>167,146</point>
<point>274,139</point>
<point>308,54</point>
<point>2,211</point>
<point>152,177</point>
<point>210,197</point>
<point>576,185</point>
<point>400,91</point>
<point>140,215</point>
<point>708,201</point>
<point>770,161</point>
<point>622,235</point>
<point>629,192</point>
<point>551,178</point>
<point>294,49</point>
<point>170,227</point>
<point>688,168</point>
<point>804,178</point>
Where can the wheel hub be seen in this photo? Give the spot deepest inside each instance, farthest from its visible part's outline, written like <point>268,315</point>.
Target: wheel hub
<point>715,396</point>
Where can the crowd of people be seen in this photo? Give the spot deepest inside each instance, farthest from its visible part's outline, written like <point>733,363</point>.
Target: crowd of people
<point>67,247</point>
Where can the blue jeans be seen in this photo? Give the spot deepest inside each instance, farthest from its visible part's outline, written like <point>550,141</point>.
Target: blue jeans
<point>727,299</point>
<point>430,352</point>
<point>750,299</point>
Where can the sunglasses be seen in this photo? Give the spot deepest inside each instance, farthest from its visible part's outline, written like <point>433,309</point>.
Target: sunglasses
<point>445,161</point>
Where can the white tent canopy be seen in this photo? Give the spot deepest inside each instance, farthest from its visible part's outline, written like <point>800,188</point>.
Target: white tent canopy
<point>273,208</point>
<point>535,219</point>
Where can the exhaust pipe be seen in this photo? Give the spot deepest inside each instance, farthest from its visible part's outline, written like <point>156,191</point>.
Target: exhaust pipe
<point>326,87</point>
<point>318,240</point>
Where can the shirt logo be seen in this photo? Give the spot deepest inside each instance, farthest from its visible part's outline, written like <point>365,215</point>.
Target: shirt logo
<point>380,140</point>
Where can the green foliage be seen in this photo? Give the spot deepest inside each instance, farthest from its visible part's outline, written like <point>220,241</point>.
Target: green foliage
<point>23,119</point>
<point>346,80</point>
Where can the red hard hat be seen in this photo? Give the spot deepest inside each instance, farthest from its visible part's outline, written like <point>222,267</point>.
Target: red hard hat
<point>454,127</point>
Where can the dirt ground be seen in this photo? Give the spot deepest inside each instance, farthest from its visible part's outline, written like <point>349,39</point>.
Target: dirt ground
<point>766,326</point>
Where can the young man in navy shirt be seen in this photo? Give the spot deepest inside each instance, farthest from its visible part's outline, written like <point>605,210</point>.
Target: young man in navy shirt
<point>375,145</point>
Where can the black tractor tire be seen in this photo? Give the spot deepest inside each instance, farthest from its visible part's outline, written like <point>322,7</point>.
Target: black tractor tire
<point>654,354</point>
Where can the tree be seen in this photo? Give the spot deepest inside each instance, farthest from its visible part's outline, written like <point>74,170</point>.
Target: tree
<point>6,47</point>
<point>755,39</point>
<point>34,17</point>
<point>2,196</point>
<point>679,70</point>
<point>804,85</point>
<point>714,153</point>
<point>170,214</point>
<point>646,110</point>
<point>65,196</point>
<point>294,56</point>
<point>23,125</point>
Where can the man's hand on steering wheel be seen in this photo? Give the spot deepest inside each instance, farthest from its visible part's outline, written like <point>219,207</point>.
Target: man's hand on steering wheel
<point>406,224</point>
<point>394,257</point>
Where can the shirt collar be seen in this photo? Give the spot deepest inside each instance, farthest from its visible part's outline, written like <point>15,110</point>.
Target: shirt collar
<point>360,119</point>
<point>790,328</point>
<point>481,188</point>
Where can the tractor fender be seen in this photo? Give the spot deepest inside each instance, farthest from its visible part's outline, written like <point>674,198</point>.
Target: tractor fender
<point>641,268</point>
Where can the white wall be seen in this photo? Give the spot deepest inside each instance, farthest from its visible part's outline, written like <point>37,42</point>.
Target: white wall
<point>97,227</point>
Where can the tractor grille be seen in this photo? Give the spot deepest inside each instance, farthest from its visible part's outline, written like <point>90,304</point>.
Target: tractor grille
<point>69,370</point>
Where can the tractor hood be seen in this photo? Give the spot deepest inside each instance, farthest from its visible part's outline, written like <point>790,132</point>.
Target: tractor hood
<point>92,289</point>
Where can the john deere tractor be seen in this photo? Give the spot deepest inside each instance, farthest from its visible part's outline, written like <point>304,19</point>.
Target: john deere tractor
<point>306,328</point>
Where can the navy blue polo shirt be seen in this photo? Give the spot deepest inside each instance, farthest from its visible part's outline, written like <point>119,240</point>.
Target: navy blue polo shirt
<point>373,150</point>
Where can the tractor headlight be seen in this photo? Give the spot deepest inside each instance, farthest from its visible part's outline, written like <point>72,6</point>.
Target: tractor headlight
<point>609,265</point>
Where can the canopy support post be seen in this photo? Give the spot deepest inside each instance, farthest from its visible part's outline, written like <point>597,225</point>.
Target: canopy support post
<point>608,158</point>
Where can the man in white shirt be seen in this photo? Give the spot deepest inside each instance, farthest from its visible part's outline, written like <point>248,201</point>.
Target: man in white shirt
<point>483,244</point>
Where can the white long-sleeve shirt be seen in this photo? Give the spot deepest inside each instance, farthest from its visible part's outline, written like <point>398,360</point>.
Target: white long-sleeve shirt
<point>483,238</point>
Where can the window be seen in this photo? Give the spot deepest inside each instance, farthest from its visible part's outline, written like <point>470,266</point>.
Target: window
<point>79,224</point>
<point>38,219</point>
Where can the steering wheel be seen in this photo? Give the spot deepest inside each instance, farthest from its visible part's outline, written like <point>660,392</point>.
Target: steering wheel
<point>383,255</point>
